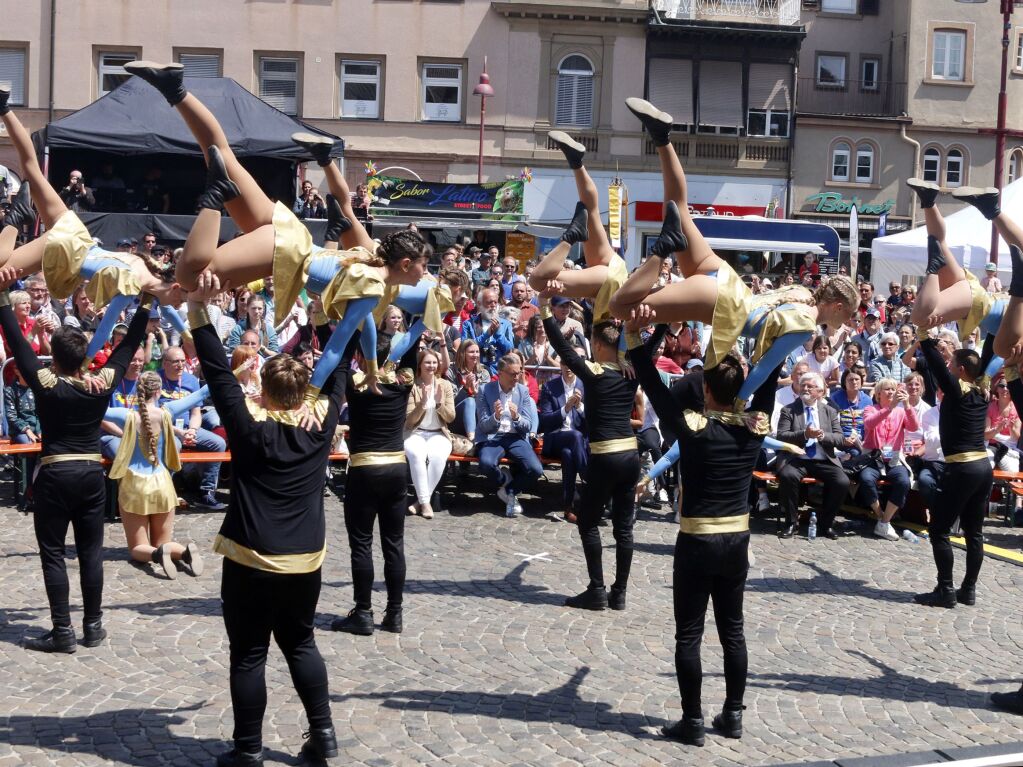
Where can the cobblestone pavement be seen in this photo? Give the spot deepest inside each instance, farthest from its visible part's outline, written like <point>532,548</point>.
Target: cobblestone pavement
<point>492,669</point>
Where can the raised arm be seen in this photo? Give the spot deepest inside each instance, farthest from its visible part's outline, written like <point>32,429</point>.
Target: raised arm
<point>660,397</point>
<point>178,406</point>
<point>561,345</point>
<point>121,356</point>
<point>948,383</point>
<point>118,415</point>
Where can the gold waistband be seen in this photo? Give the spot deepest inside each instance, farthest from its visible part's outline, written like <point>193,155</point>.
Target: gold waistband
<point>286,564</point>
<point>613,446</point>
<point>967,457</point>
<point>91,457</point>
<point>375,459</point>
<point>712,525</point>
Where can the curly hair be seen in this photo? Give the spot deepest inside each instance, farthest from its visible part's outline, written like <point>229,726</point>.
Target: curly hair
<point>149,384</point>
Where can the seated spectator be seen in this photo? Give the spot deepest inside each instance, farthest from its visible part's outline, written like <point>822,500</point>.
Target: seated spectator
<point>813,425</point>
<point>122,396</point>
<point>930,460</point>
<point>219,311</point>
<point>885,425</point>
<point>42,303</point>
<point>894,300</point>
<point>889,364</point>
<point>34,331</point>
<point>510,276</point>
<point>915,389</point>
<point>521,302</point>
<point>429,412</point>
<point>255,319</point>
<point>507,417</point>
<point>851,356</point>
<point>245,364</point>
<point>563,423</point>
<point>527,377</point>
<point>391,323</point>
<point>820,360</point>
<point>907,337</point>
<point>289,327</point>
<point>1003,428</point>
<point>851,402</point>
<point>468,377</point>
<point>493,334</point>
<point>562,308</point>
<point>156,342</point>
<point>648,435</point>
<point>305,354</point>
<point>682,343</point>
<point>535,347</point>
<point>666,364</point>
<point>22,421</point>
<point>458,284</point>
<point>869,337</point>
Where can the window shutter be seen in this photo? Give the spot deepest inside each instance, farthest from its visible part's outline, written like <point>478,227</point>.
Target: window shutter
<point>201,64</point>
<point>769,87</point>
<point>278,84</point>
<point>671,88</point>
<point>12,70</point>
<point>721,93</point>
<point>574,105</point>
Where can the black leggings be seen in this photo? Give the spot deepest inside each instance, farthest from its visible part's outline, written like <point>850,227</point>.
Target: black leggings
<point>614,476</point>
<point>964,493</point>
<point>709,567</point>
<point>71,493</point>
<point>371,492</point>
<point>257,604</point>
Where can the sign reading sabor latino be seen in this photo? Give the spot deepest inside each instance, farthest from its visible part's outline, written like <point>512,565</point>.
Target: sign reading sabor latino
<point>500,200</point>
<point>833,202</point>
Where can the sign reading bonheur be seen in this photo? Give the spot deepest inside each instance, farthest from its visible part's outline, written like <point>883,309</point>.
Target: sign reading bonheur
<point>834,202</point>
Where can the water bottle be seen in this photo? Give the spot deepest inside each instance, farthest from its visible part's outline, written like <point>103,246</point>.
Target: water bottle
<point>811,531</point>
<point>908,535</point>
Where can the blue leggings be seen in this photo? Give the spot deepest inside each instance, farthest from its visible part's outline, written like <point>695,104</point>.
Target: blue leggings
<point>772,358</point>
<point>356,312</point>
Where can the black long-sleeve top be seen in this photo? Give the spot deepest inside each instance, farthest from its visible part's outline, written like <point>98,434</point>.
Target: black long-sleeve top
<point>69,415</point>
<point>378,420</point>
<point>963,416</point>
<point>277,467</point>
<point>607,395</point>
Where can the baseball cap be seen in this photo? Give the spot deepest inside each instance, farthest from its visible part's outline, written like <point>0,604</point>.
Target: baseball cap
<point>124,242</point>
<point>990,266</point>
<point>154,313</point>
<point>120,327</point>
<point>874,313</point>
<point>560,300</point>
<point>695,362</point>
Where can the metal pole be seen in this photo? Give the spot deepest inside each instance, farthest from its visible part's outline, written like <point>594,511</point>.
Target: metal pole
<point>483,118</point>
<point>1000,128</point>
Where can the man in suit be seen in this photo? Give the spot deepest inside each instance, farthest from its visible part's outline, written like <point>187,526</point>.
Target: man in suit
<point>563,423</point>
<point>506,418</point>
<point>812,424</point>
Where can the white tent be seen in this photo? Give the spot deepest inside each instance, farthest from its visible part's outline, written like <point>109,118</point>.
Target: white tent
<point>903,257</point>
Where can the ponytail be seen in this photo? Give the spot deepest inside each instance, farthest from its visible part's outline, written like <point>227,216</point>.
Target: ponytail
<point>148,385</point>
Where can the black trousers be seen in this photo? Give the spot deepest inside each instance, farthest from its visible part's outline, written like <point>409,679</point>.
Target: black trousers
<point>964,493</point>
<point>256,605</point>
<point>614,476</point>
<point>709,567</point>
<point>71,493</point>
<point>372,492</point>
<point>836,485</point>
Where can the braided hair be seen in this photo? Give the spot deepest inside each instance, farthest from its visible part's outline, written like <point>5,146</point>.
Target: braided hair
<point>149,383</point>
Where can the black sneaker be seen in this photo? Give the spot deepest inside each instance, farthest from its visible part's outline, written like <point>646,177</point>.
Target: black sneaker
<point>578,229</point>
<point>59,639</point>
<point>935,255</point>
<point>572,149</point>
<point>671,240</point>
<point>729,723</point>
<point>169,79</point>
<point>966,595</point>
<point>337,223</point>
<point>656,122</point>
<point>591,599</point>
<point>984,199</point>
<point>392,620</point>
<point>942,596</point>
<point>320,744</point>
<point>356,622</point>
<point>237,758</point>
<point>688,730</point>
<point>1008,701</point>
<point>5,95</point>
<point>616,598</point>
<point>318,146</point>
<point>219,186</point>
<point>927,191</point>
<point>20,212</point>
<point>93,633</point>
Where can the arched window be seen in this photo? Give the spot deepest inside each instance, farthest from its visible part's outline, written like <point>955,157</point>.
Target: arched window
<point>954,168</point>
<point>574,102</point>
<point>932,164</point>
<point>864,164</point>
<point>1015,169</point>
<point>840,154</point>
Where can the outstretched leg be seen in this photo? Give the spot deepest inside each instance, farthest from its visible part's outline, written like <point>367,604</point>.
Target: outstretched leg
<point>1009,338</point>
<point>597,248</point>
<point>45,197</point>
<point>945,294</point>
<point>577,283</point>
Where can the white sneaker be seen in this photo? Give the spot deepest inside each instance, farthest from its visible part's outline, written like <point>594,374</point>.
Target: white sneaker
<point>751,558</point>
<point>511,506</point>
<point>763,503</point>
<point>662,495</point>
<point>886,531</point>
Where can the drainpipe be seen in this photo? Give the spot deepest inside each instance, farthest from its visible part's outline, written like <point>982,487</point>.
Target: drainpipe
<point>53,54</point>
<point>913,174</point>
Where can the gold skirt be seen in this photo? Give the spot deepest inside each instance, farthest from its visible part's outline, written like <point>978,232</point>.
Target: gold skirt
<point>146,494</point>
<point>293,248</point>
<point>617,273</point>
<point>980,306</point>
<point>67,245</point>
<point>111,281</point>
<point>731,310</point>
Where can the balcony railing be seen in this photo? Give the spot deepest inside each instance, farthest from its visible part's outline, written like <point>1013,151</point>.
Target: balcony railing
<point>727,151</point>
<point>853,98</point>
<point>781,12</point>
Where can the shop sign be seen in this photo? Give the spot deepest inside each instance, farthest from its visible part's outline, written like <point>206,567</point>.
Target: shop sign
<point>498,200</point>
<point>834,202</point>
<point>520,246</point>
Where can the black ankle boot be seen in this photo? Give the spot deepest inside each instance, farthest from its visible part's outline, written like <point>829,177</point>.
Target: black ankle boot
<point>169,79</point>
<point>572,149</point>
<point>926,191</point>
<point>59,639</point>
<point>688,730</point>
<point>392,620</point>
<point>161,556</point>
<point>942,596</point>
<point>656,122</point>
<point>729,723</point>
<point>356,622</point>
<point>5,95</point>
<point>594,598</point>
<point>985,199</point>
<point>238,758</point>
<point>671,240</point>
<point>93,633</point>
<point>337,224</point>
<point>966,595</point>
<point>318,146</point>
<point>320,744</point>
<point>578,230</point>
<point>616,598</point>
<point>1016,283</point>
<point>20,212</point>
<point>219,187</point>
<point>935,258</point>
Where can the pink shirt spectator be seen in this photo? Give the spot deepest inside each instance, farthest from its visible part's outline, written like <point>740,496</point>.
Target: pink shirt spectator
<point>887,427</point>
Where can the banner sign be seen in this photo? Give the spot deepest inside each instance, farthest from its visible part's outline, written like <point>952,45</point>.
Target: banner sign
<point>614,215</point>
<point>496,200</point>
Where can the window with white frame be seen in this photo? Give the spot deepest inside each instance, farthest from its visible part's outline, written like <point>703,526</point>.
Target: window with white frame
<point>574,101</point>
<point>278,83</point>
<point>932,164</point>
<point>767,122</point>
<point>948,52</point>
<point>1019,50</point>
<point>864,164</point>
<point>111,70</point>
<point>954,167</point>
<point>870,74</point>
<point>200,64</point>
<point>839,6</point>
<point>360,89</point>
<point>840,154</point>
<point>442,92</point>
<point>831,70</point>
<point>12,70</point>
<point>1015,165</point>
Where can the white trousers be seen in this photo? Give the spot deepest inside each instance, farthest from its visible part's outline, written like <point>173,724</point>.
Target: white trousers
<point>427,452</point>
